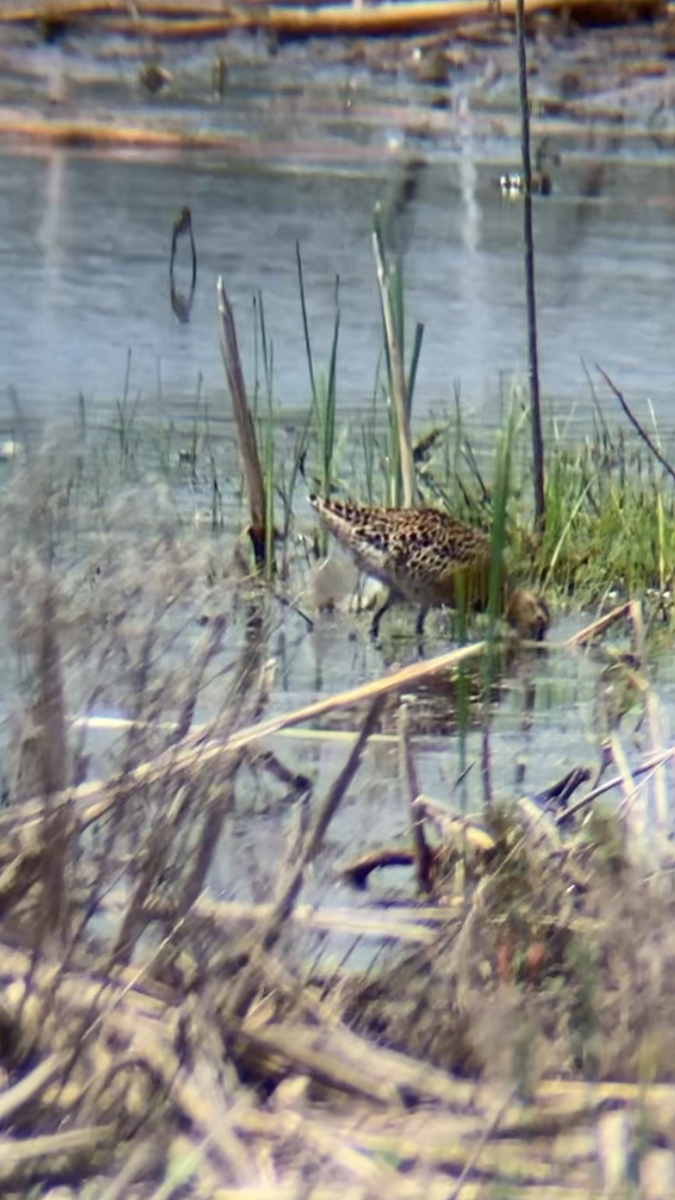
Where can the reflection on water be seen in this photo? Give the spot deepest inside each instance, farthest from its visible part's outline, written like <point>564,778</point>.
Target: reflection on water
<point>85,248</point>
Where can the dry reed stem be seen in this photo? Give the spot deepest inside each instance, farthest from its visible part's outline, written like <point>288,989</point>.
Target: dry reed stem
<point>586,635</point>
<point>68,1143</point>
<point>199,752</point>
<point>544,1143</point>
<point>401,924</point>
<point>651,763</point>
<point>388,18</point>
<point>248,445</point>
<point>87,132</point>
<point>399,388</point>
<point>31,1085</point>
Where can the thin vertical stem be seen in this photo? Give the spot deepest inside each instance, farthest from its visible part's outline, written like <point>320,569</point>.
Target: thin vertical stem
<point>533,356</point>
<point>399,392</point>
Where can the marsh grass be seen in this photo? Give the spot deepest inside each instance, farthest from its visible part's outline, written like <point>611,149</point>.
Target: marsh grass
<point>610,510</point>
<point>159,1040</point>
<point>402,479</point>
<point>610,529</point>
<point>610,523</point>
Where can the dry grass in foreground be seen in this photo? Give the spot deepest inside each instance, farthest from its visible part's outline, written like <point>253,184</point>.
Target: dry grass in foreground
<point>155,1042</point>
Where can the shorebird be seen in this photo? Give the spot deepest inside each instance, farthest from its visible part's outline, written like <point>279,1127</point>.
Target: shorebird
<point>429,558</point>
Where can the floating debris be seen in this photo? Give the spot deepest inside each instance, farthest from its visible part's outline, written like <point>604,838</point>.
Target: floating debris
<point>9,450</point>
<point>154,78</point>
<point>512,185</point>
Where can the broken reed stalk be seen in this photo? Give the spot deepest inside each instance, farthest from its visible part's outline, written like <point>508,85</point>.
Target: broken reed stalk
<point>253,475</point>
<point>399,387</point>
<point>533,353</point>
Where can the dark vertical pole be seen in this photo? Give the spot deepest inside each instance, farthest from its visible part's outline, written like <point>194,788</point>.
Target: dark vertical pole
<point>535,400</point>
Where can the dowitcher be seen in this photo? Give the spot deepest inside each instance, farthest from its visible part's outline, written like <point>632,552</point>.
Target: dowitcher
<point>429,558</point>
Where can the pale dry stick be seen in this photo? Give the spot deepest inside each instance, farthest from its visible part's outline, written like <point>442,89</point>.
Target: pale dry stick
<point>31,1085</point>
<point>630,788</point>
<point>24,1151</point>
<point>199,751</point>
<point>196,1093</point>
<point>650,765</point>
<point>335,1058</point>
<point>409,772</point>
<point>248,445</point>
<point>638,624</point>
<point>49,130</point>
<point>469,832</point>
<point>209,20</point>
<point>632,791</point>
<point>619,756</point>
<point>310,735</point>
<point>399,924</point>
<point>586,635</point>
<point>399,387</point>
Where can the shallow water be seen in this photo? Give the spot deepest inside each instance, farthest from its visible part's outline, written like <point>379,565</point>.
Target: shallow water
<point>84,244</point>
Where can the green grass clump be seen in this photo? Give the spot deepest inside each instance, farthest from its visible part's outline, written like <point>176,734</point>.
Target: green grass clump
<point>610,524</point>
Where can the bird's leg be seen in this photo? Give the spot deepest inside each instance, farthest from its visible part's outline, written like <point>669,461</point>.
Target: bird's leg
<point>390,601</point>
<point>421,618</point>
<point>419,630</point>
